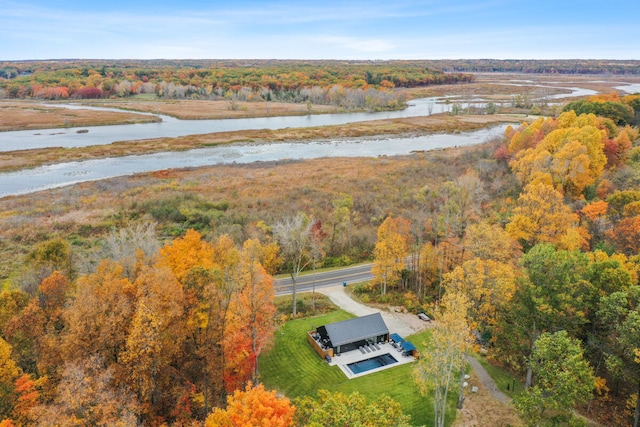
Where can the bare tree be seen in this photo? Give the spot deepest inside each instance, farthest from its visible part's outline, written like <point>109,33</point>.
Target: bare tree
<point>124,245</point>
<point>294,237</point>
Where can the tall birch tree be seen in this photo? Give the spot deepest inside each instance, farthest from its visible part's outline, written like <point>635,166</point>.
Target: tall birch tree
<point>451,338</point>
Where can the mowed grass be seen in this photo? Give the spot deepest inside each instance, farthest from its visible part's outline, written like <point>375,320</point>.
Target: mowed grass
<point>503,379</point>
<point>295,369</point>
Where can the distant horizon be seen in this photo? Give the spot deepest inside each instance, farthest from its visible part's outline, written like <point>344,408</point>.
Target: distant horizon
<point>334,30</point>
<point>321,59</point>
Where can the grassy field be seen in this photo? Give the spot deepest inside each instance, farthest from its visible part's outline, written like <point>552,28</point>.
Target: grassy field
<point>28,115</point>
<point>293,368</point>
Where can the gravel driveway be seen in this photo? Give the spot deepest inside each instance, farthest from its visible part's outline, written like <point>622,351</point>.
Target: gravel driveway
<point>404,324</point>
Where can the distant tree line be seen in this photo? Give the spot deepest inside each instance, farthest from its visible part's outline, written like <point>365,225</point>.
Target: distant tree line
<point>556,66</point>
<point>257,80</point>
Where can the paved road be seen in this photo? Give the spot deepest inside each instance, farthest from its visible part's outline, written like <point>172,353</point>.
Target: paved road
<point>354,274</point>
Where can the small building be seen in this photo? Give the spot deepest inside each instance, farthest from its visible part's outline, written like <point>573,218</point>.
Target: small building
<point>396,338</point>
<point>339,337</point>
<point>408,349</point>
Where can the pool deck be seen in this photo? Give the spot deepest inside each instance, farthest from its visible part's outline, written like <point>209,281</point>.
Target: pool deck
<point>356,356</point>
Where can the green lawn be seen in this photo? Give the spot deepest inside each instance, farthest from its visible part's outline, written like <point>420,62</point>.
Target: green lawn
<point>502,379</point>
<point>295,369</point>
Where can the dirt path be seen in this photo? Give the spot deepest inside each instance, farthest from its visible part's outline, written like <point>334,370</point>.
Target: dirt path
<point>483,409</point>
<point>487,381</point>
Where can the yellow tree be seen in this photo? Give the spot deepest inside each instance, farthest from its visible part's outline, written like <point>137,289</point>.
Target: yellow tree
<point>570,150</point>
<point>570,168</point>
<point>588,138</point>
<point>488,285</point>
<point>98,318</point>
<point>541,216</point>
<point>529,164</point>
<point>143,351</point>
<point>391,250</point>
<point>490,242</point>
<point>430,266</point>
<point>450,340</point>
<point>208,293</point>
<point>9,372</point>
<point>155,338</point>
<point>185,253</point>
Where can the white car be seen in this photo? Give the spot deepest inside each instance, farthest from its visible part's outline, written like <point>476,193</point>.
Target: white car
<point>424,317</point>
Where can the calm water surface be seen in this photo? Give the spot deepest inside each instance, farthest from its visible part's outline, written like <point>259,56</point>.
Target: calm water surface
<point>630,88</point>
<point>62,174</point>
<point>172,127</point>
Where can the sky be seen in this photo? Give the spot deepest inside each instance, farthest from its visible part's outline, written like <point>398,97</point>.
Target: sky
<point>286,29</point>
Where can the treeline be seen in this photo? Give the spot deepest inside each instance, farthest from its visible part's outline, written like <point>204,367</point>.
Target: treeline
<point>623,111</point>
<point>562,255</point>
<point>267,80</point>
<point>552,66</point>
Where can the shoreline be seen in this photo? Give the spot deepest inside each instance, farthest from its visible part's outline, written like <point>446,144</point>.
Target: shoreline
<point>12,161</point>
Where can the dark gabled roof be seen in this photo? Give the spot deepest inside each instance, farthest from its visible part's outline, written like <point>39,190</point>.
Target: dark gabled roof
<point>356,329</point>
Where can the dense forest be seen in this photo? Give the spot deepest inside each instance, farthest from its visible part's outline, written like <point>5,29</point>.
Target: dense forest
<point>342,83</point>
<point>558,262</point>
<point>149,300</point>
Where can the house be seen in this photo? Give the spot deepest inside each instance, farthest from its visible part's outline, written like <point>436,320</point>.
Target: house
<point>340,337</point>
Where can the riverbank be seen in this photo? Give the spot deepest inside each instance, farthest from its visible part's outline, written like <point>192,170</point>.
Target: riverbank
<point>412,126</point>
<point>34,115</point>
<point>185,109</point>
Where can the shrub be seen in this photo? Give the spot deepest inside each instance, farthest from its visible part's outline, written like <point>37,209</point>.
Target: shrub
<point>88,93</point>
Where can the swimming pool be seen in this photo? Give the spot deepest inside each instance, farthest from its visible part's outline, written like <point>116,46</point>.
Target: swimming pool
<point>373,363</point>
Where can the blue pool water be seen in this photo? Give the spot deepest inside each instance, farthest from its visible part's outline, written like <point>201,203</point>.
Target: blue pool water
<point>373,363</point>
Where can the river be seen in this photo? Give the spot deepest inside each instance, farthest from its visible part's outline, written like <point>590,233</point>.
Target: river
<point>171,127</point>
<point>629,88</point>
<point>62,174</point>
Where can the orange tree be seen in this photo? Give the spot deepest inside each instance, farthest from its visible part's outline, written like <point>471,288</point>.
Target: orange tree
<point>253,406</point>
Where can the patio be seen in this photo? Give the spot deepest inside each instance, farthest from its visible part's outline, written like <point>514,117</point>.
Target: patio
<point>354,356</point>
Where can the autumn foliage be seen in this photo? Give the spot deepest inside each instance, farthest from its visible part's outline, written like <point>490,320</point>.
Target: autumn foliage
<point>160,343</point>
<point>253,406</point>
<point>539,237</point>
<point>321,82</point>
